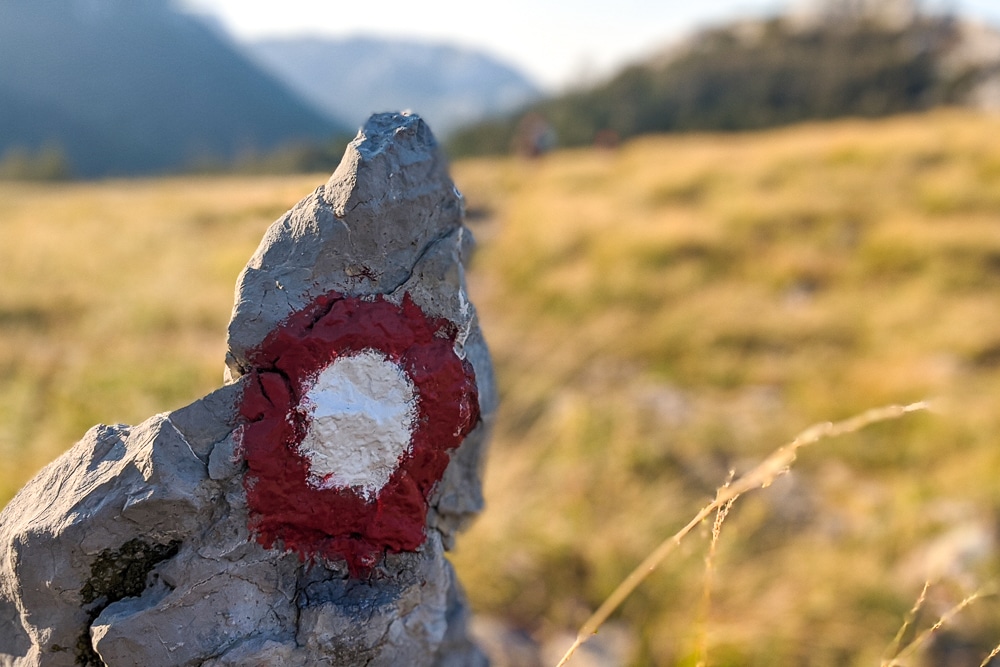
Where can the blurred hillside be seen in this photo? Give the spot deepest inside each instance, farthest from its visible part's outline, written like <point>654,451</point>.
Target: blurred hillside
<point>660,316</point>
<point>124,87</point>
<point>117,87</point>
<point>352,78</point>
<point>823,60</point>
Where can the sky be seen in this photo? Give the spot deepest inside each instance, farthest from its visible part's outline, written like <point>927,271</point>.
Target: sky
<point>558,43</point>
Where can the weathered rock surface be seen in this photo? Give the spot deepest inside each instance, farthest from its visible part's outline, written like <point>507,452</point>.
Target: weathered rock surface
<point>203,537</point>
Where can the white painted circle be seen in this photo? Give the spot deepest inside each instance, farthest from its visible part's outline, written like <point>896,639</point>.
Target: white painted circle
<point>361,411</point>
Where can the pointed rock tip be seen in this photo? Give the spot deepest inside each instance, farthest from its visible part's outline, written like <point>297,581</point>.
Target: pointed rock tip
<point>394,156</point>
<point>361,234</point>
<point>403,131</point>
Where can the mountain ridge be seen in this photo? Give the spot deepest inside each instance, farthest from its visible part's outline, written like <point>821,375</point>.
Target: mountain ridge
<point>132,88</point>
<point>447,85</point>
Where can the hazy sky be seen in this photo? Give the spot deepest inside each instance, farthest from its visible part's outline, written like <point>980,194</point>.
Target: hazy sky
<point>557,42</point>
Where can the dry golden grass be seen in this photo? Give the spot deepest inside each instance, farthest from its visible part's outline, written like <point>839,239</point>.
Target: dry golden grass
<point>114,299</point>
<point>761,476</point>
<point>659,315</point>
<point>662,314</point>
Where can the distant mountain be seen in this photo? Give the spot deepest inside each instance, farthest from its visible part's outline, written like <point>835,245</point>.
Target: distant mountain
<point>136,86</point>
<point>762,73</point>
<point>353,78</point>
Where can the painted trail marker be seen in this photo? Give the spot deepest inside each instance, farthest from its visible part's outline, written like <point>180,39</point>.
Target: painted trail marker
<point>298,515</point>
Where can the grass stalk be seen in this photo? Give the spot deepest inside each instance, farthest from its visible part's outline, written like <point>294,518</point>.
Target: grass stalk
<point>910,649</point>
<point>706,598</point>
<point>911,616</point>
<point>762,476</point>
<point>993,654</point>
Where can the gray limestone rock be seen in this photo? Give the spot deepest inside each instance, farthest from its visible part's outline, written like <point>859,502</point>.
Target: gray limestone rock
<point>146,545</point>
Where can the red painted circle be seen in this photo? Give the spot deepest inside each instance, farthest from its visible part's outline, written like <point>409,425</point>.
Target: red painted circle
<point>341,523</point>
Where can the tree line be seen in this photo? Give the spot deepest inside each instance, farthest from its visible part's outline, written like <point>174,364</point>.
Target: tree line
<point>751,76</point>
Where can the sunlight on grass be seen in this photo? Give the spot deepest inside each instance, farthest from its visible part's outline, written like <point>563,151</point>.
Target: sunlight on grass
<point>761,476</point>
<point>662,313</point>
<point>115,301</point>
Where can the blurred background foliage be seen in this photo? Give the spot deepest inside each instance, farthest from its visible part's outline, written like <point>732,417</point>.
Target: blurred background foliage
<point>660,314</point>
<point>763,73</point>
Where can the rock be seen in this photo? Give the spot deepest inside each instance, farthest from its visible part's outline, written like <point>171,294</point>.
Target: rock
<point>506,646</point>
<point>963,541</point>
<point>614,645</point>
<point>298,515</point>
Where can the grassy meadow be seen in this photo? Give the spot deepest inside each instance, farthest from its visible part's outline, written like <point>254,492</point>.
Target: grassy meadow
<point>661,316</point>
